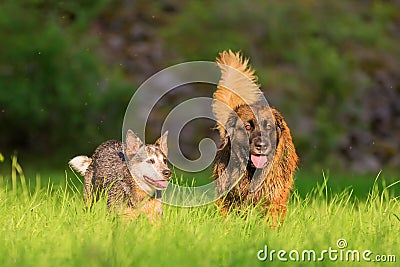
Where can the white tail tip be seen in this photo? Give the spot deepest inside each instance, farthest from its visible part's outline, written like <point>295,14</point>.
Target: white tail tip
<point>80,164</point>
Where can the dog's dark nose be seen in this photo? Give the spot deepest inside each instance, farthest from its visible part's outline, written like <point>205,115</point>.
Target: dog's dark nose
<point>261,146</point>
<point>166,173</point>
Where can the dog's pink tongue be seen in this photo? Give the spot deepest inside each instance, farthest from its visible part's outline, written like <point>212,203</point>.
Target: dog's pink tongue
<point>259,160</point>
<point>162,183</point>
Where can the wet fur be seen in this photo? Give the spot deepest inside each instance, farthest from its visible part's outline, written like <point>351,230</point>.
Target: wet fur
<point>108,174</point>
<point>275,184</point>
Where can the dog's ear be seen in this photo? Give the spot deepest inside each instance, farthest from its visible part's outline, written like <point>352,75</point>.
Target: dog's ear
<point>230,126</point>
<point>162,143</point>
<point>133,144</point>
<point>280,127</point>
<point>233,153</point>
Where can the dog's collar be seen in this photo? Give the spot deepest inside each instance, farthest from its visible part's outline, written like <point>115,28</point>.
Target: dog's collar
<point>157,194</point>
<point>121,156</point>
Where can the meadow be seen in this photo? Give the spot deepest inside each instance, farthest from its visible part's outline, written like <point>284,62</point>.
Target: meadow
<point>44,224</point>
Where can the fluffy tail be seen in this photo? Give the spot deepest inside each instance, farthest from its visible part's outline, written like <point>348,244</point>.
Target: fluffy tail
<point>80,164</point>
<point>237,86</point>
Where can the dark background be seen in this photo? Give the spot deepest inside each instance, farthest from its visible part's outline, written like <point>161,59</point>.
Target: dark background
<point>69,68</point>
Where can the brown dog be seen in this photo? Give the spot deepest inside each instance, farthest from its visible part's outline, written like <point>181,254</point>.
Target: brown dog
<point>262,173</point>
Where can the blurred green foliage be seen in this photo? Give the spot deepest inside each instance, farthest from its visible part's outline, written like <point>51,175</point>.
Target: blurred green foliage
<point>53,85</point>
<point>64,68</point>
<point>309,56</point>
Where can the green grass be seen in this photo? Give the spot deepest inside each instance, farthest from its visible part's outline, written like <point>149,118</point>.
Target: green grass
<point>44,224</point>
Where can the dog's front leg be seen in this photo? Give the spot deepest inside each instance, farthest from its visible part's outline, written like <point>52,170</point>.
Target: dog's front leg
<point>152,208</point>
<point>276,213</point>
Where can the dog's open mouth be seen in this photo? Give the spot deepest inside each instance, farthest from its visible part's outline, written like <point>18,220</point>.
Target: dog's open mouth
<point>159,184</point>
<point>259,161</point>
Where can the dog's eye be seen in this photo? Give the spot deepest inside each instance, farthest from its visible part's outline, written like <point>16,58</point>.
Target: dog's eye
<point>248,127</point>
<point>151,161</point>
